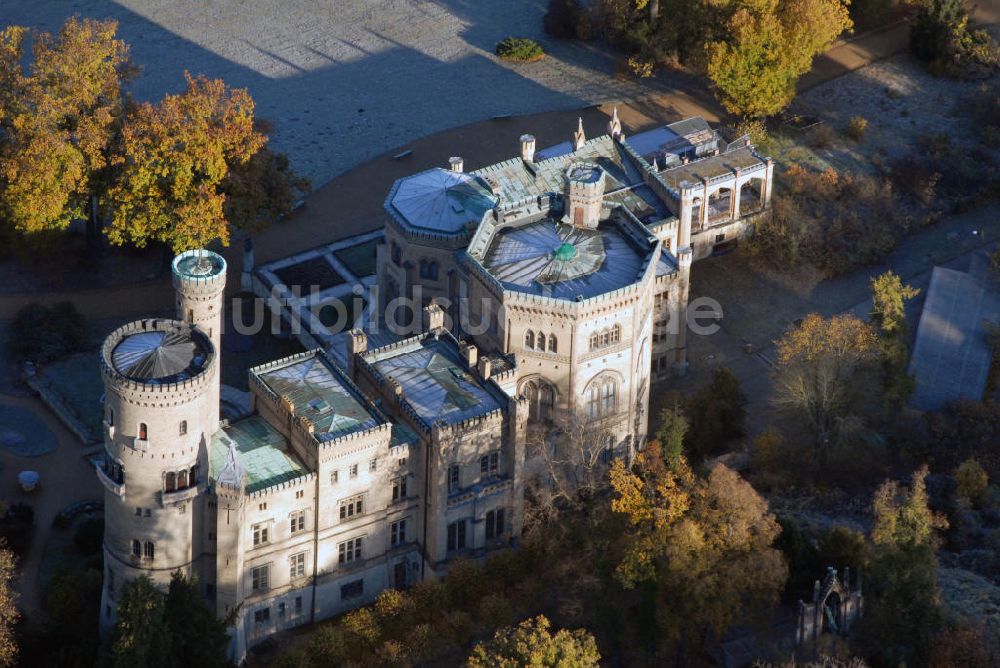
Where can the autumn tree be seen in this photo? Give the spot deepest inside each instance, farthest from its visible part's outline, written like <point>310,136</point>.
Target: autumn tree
<point>768,46</point>
<point>819,371</point>
<point>176,157</point>
<point>889,297</point>
<point>703,544</point>
<point>902,606</point>
<point>532,644</point>
<point>9,614</point>
<point>671,433</point>
<point>59,122</point>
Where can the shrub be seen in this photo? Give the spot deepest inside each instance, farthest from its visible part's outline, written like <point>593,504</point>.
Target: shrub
<point>41,334</point>
<point>972,482</point>
<point>519,49</point>
<point>940,37</point>
<point>640,67</point>
<point>856,127</point>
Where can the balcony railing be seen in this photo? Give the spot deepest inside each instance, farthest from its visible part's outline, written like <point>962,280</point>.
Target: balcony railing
<point>116,488</point>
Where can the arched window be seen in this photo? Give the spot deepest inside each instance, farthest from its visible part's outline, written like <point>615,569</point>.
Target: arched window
<point>552,344</point>
<point>150,550</point>
<point>546,402</point>
<point>594,403</point>
<point>143,432</point>
<point>182,479</point>
<point>111,417</point>
<point>170,483</point>
<point>531,394</point>
<point>529,339</point>
<point>136,548</point>
<point>193,477</point>
<point>616,334</point>
<point>540,342</point>
<point>183,429</point>
<point>595,341</point>
<point>605,338</point>
<point>609,397</point>
<point>432,270</point>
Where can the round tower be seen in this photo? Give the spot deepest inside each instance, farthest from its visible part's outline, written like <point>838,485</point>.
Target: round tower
<point>200,278</point>
<point>160,411</point>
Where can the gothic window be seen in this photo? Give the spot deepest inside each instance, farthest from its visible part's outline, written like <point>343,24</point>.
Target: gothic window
<point>594,403</point>
<point>602,398</point>
<point>540,341</point>
<point>608,395</point>
<point>170,484</point>
<point>552,344</point>
<point>182,479</point>
<point>489,464</point>
<point>546,402</point>
<point>150,551</point>
<point>529,339</point>
<point>616,334</point>
<point>456,536</point>
<point>183,429</point>
<point>494,524</point>
<point>136,548</point>
<point>143,432</point>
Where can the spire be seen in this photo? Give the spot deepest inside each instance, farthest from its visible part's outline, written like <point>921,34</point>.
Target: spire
<point>614,125</point>
<point>656,167</point>
<point>578,136</point>
<point>233,474</point>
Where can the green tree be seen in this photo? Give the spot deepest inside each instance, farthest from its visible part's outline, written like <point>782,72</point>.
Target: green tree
<point>972,481</point>
<point>717,413</point>
<point>670,434</point>
<point>199,638</point>
<point>769,45</point>
<point>902,607</point>
<point>73,604</point>
<point>141,637</point>
<point>889,297</point>
<point>532,644</point>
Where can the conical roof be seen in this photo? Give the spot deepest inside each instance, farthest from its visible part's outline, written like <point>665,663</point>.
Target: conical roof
<point>163,356</point>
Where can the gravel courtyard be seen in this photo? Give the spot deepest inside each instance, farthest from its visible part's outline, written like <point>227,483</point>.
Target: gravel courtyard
<point>346,80</point>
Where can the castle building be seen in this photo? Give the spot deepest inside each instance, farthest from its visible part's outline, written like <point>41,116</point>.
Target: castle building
<point>324,493</point>
<point>549,287</point>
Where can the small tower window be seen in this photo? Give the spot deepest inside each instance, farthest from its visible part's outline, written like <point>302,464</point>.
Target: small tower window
<point>143,432</point>
<point>170,484</point>
<point>150,550</point>
<point>136,548</point>
<point>552,343</point>
<point>183,429</point>
<point>111,417</point>
<point>182,479</point>
<point>529,339</point>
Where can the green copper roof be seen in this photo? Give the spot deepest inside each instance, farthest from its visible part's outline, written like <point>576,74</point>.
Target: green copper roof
<point>261,451</point>
<point>566,252</point>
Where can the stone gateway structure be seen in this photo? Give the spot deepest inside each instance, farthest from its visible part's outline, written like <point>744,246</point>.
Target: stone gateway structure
<point>552,284</point>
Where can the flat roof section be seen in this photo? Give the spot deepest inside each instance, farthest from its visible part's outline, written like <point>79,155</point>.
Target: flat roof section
<point>320,394</point>
<point>536,258</point>
<point>435,382</point>
<point>161,356</point>
<point>260,451</point>
<point>952,355</point>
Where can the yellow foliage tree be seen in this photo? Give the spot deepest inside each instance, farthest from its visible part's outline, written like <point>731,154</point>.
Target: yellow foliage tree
<point>9,614</point>
<point>176,157</point>
<point>704,543</point>
<point>532,645</point>
<point>59,121</point>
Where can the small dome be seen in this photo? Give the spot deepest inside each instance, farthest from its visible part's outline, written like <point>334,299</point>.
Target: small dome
<point>565,252</point>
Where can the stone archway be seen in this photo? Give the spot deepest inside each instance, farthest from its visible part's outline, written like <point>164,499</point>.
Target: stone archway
<point>751,199</point>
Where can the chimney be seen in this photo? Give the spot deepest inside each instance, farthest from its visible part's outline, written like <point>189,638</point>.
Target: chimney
<point>456,163</point>
<point>485,367</point>
<point>433,317</point>
<point>469,353</point>
<point>357,344</point>
<point>528,148</point>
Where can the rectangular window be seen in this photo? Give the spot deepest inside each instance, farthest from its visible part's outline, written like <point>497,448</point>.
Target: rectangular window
<point>261,616</point>
<point>494,524</point>
<point>490,464</point>
<point>260,578</point>
<point>397,533</point>
<point>352,589</point>
<point>454,477</point>
<point>456,536</point>
<point>297,521</point>
<point>260,533</point>
<point>373,465</point>
<point>352,507</point>
<point>281,609</point>
<point>334,476</point>
<point>399,488</point>
<point>297,565</point>
<point>349,551</point>
<point>354,470</point>
<point>298,604</point>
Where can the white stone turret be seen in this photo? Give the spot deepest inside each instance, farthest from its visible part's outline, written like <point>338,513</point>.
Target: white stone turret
<point>614,125</point>
<point>584,195</point>
<point>527,148</point>
<point>579,138</point>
